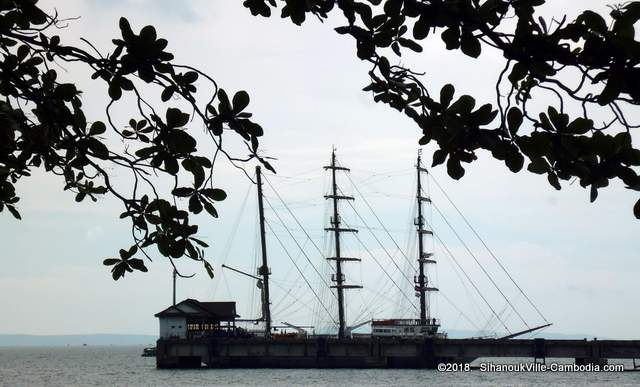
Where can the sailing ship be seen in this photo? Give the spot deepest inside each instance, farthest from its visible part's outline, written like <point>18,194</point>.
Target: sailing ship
<point>424,325</point>
<point>208,325</point>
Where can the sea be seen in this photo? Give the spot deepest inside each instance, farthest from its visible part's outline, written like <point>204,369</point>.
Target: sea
<point>123,366</point>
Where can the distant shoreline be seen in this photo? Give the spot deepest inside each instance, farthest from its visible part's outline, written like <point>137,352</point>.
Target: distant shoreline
<point>106,339</point>
<point>23,340</point>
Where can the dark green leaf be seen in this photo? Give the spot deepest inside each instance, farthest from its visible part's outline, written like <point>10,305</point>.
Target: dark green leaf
<point>225,105</point>
<point>111,261</point>
<point>464,104</point>
<point>439,157</point>
<point>190,76</point>
<point>454,169</point>
<point>451,37</point>
<point>176,118</point>
<point>118,270</point>
<point>470,45</point>
<point>14,212</point>
<point>194,204</point>
<point>514,120</point>
<point>137,264</point>
<point>240,101</point>
<point>539,166</point>
<point>421,28</point>
<point>183,192</point>
<point>553,180</point>
<point>114,91</point>
<point>410,44</point>
<point>209,268</point>
<point>580,126</point>
<point>446,95</point>
<point>97,127</point>
<point>514,161</point>
<point>167,93</point>
<point>210,209</point>
<point>215,194</point>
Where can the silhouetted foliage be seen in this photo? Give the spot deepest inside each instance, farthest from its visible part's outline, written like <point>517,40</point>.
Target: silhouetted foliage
<point>42,125</point>
<point>540,56</point>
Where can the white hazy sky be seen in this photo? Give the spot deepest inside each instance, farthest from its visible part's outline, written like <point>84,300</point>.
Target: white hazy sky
<point>577,261</point>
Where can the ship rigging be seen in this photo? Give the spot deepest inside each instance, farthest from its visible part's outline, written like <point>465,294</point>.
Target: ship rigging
<point>329,283</point>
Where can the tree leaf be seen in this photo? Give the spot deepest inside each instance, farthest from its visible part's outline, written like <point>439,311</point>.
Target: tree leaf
<point>580,126</point>
<point>214,194</point>
<point>439,157</point>
<point>137,264</point>
<point>446,95</point>
<point>470,45</point>
<point>210,209</point>
<point>183,192</point>
<point>96,128</point>
<point>593,193</point>
<point>514,120</point>
<point>167,93</point>
<point>209,269</point>
<point>176,118</point>
<point>115,92</point>
<point>539,166</point>
<point>194,204</point>
<point>240,101</point>
<point>410,44</point>
<point>118,270</point>
<point>451,37</point>
<point>14,212</point>
<point>111,261</point>
<point>454,169</point>
<point>421,28</point>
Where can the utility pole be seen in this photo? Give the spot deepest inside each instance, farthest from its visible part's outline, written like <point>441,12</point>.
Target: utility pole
<point>339,278</point>
<point>264,269</point>
<point>421,282</point>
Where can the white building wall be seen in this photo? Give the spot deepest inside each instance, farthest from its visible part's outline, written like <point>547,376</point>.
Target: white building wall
<point>173,327</point>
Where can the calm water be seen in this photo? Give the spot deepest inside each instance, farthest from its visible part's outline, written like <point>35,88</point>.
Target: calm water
<point>123,366</point>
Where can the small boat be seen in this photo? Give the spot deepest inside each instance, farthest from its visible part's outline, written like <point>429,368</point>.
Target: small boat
<point>149,352</point>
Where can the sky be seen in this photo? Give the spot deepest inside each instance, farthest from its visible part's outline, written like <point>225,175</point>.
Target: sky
<point>577,261</point>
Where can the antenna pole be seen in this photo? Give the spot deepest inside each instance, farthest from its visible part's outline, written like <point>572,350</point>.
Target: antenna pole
<point>264,269</point>
<point>335,228</point>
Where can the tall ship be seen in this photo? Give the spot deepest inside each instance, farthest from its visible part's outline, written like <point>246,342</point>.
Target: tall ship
<point>196,333</point>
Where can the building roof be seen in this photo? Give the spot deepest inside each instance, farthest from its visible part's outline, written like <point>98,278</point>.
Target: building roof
<point>222,311</point>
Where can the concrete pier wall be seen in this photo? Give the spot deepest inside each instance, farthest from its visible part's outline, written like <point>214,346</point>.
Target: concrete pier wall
<point>375,352</point>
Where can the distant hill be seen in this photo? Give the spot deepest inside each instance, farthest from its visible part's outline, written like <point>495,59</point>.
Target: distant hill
<point>75,340</point>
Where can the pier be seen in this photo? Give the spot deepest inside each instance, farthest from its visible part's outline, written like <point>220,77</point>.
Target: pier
<point>332,352</point>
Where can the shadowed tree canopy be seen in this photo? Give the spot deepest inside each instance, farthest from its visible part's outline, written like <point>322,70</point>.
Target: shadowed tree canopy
<point>584,69</point>
<point>43,125</point>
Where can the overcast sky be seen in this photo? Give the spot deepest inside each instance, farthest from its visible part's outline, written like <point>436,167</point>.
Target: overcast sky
<point>577,261</point>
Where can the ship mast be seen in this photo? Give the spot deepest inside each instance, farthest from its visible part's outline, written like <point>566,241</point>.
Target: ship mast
<point>264,269</point>
<point>422,285</point>
<point>175,274</point>
<point>339,277</point>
